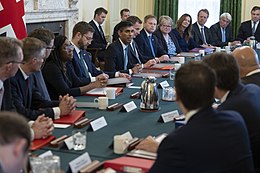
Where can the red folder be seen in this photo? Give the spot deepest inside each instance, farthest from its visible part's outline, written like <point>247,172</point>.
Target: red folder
<point>119,90</point>
<point>39,143</point>
<point>71,118</point>
<point>161,66</point>
<point>124,164</point>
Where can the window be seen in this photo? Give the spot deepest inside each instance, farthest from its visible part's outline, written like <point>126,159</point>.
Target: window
<point>193,6</point>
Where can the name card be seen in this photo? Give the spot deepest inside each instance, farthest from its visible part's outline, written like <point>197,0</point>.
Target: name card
<point>128,107</point>
<point>45,154</point>
<point>79,162</point>
<point>164,84</point>
<point>98,123</point>
<point>169,116</point>
<point>69,142</point>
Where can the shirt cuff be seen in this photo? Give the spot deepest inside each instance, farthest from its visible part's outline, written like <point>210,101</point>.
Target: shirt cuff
<point>117,74</point>
<point>130,71</point>
<point>56,111</point>
<point>93,79</point>
<point>30,123</point>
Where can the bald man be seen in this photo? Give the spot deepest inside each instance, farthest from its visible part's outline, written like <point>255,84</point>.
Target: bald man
<point>248,65</point>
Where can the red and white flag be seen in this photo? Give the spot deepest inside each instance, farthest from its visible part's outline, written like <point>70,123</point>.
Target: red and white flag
<point>12,23</point>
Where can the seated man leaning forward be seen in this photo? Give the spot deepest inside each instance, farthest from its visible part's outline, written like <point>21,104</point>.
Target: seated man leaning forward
<point>203,144</point>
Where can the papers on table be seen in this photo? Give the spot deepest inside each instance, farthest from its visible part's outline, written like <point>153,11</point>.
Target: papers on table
<point>118,80</point>
<point>62,126</point>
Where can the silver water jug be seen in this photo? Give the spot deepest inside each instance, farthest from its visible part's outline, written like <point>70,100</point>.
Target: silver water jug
<point>149,94</point>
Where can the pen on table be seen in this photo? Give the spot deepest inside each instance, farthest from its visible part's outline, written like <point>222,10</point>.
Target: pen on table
<point>112,105</point>
<point>135,94</point>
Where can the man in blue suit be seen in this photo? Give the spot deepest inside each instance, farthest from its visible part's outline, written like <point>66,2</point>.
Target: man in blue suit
<point>148,43</point>
<point>238,97</point>
<point>211,140</point>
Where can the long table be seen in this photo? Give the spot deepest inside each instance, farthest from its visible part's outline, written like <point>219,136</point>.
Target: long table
<point>139,124</point>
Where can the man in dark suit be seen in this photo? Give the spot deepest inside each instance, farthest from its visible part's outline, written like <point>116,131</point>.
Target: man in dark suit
<point>124,13</point>
<point>99,40</point>
<point>248,62</point>
<point>204,138</point>
<point>10,57</point>
<point>250,27</point>
<point>47,37</point>
<point>27,99</point>
<point>148,43</point>
<point>238,97</point>
<point>222,31</point>
<point>200,33</point>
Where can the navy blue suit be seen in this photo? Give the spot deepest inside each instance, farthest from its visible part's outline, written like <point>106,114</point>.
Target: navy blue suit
<point>245,31</point>
<point>197,37</point>
<point>59,83</point>
<point>144,46</point>
<point>253,79</point>
<point>217,35</point>
<point>210,142</point>
<point>185,46</point>
<point>28,100</point>
<point>163,43</point>
<point>7,102</point>
<point>245,99</point>
<point>114,59</point>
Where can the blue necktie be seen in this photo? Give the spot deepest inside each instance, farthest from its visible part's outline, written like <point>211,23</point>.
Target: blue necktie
<point>253,29</point>
<point>83,64</point>
<point>125,58</point>
<point>223,35</point>
<point>151,45</point>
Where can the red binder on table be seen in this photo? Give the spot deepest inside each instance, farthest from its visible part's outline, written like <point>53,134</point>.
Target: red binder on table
<point>39,143</point>
<point>102,91</point>
<point>71,118</point>
<point>161,66</point>
<point>125,164</point>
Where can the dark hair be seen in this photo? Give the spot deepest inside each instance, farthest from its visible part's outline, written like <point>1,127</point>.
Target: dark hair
<point>187,30</point>
<point>205,11</point>
<point>124,10</point>
<point>83,28</point>
<point>226,69</point>
<point>134,19</point>
<point>8,51</point>
<point>149,17</point>
<point>32,47</point>
<point>123,24</point>
<point>255,8</point>
<point>195,85</point>
<point>12,127</point>
<point>42,34</point>
<point>99,11</point>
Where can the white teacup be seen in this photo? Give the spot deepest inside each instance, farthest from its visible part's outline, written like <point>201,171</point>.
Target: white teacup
<point>227,48</point>
<point>202,52</point>
<point>102,102</point>
<point>111,93</point>
<point>218,49</point>
<point>177,66</point>
<point>181,60</point>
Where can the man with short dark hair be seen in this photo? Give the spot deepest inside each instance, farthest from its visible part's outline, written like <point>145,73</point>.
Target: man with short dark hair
<point>124,13</point>
<point>200,33</point>
<point>27,99</point>
<point>15,140</point>
<point>250,27</point>
<point>99,40</point>
<point>47,37</point>
<point>237,97</point>
<point>148,43</point>
<point>204,138</point>
<point>248,62</point>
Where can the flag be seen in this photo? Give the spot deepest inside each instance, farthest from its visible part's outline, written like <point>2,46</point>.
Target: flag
<point>12,23</point>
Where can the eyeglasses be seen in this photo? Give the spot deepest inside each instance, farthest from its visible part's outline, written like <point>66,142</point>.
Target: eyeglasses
<point>166,26</point>
<point>51,48</point>
<point>15,62</point>
<point>88,38</point>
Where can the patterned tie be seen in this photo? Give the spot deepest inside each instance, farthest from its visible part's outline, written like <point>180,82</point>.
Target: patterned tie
<point>203,36</point>
<point>151,44</point>
<point>83,64</point>
<point>125,58</point>
<point>136,53</point>
<point>253,29</point>
<point>101,32</point>
<point>223,35</point>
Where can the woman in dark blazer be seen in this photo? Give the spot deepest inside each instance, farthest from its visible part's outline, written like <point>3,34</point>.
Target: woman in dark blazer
<point>167,39</point>
<point>183,33</point>
<point>59,76</point>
